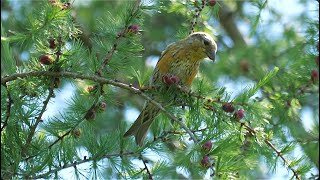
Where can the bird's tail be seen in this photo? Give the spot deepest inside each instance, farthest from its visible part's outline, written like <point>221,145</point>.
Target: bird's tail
<point>140,127</point>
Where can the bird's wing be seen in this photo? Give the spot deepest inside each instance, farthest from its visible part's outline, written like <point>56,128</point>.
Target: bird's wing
<point>164,64</point>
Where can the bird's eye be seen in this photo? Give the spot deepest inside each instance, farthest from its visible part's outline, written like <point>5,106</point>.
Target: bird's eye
<point>206,42</point>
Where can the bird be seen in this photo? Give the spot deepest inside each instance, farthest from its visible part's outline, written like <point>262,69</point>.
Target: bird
<point>180,60</point>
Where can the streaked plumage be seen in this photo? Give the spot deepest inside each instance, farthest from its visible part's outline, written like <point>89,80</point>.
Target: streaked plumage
<point>181,59</point>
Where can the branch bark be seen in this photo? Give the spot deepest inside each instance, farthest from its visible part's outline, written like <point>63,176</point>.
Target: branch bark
<point>9,104</point>
<point>101,80</point>
<point>75,163</point>
<point>116,42</point>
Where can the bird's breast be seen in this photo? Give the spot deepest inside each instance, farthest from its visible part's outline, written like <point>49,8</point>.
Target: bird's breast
<point>184,70</point>
<point>179,61</point>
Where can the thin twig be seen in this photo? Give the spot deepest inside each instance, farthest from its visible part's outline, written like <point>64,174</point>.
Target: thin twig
<point>9,104</point>
<point>295,173</point>
<point>108,56</point>
<point>173,132</point>
<point>53,84</point>
<point>74,127</point>
<point>197,14</point>
<point>38,120</point>
<point>164,134</point>
<point>171,116</point>
<point>116,42</point>
<point>55,142</point>
<point>146,167</point>
<point>46,102</point>
<point>75,163</point>
<point>60,138</point>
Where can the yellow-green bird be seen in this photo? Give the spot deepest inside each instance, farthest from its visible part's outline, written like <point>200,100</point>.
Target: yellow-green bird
<point>182,60</point>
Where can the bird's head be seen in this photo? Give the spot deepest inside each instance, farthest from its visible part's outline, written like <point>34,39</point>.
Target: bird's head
<point>204,44</point>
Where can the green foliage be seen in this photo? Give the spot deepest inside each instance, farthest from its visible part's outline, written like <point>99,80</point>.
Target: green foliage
<point>249,92</point>
<point>46,130</point>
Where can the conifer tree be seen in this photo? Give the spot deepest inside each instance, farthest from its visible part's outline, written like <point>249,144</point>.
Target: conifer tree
<point>74,74</point>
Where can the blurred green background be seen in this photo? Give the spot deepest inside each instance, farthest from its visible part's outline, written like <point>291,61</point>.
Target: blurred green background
<point>253,37</point>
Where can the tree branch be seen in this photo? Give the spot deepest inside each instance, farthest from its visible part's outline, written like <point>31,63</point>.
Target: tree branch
<point>74,127</point>
<point>9,104</point>
<point>197,14</point>
<point>146,167</point>
<point>53,84</point>
<point>75,163</point>
<point>118,38</point>
<point>65,134</point>
<point>253,132</point>
<point>295,173</point>
<point>33,128</point>
<point>52,144</point>
<point>101,80</point>
<point>61,137</point>
<point>267,142</point>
